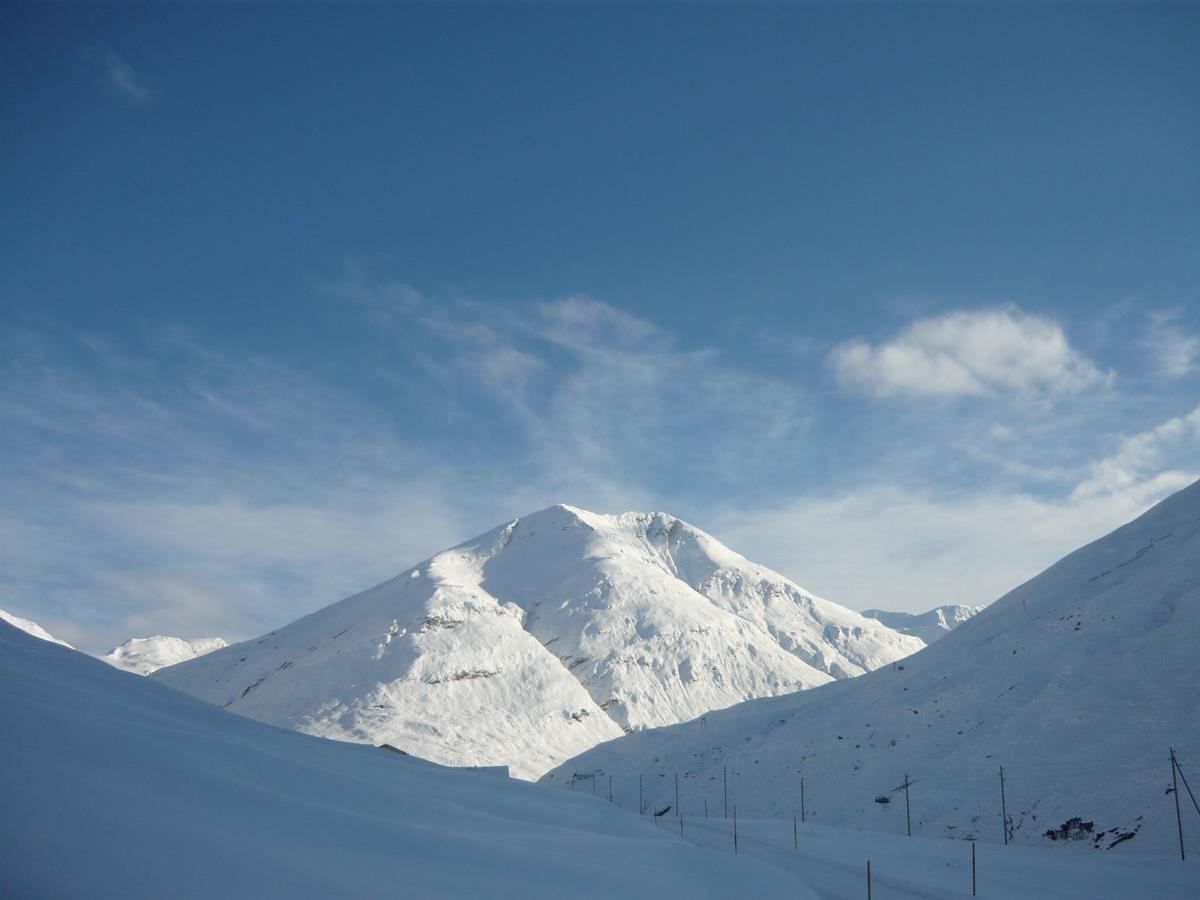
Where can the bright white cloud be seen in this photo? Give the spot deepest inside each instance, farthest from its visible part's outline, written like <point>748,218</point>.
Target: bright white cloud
<point>969,354</point>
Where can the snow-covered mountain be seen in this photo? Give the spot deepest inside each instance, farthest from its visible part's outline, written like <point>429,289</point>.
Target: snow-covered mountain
<point>120,787</point>
<point>541,638</point>
<point>928,626</point>
<point>1077,683</point>
<point>146,655</point>
<point>30,627</point>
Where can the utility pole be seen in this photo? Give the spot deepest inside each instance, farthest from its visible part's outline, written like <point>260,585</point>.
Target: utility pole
<point>907,814</point>
<point>1175,791</point>
<point>1003,807</point>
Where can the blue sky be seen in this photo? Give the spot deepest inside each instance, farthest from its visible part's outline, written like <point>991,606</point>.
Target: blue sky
<point>899,300</point>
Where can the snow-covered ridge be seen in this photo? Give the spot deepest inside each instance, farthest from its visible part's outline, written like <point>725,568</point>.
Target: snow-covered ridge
<point>146,655</point>
<point>30,627</point>
<point>118,787</point>
<point>1077,683</point>
<point>541,638</point>
<point>929,626</point>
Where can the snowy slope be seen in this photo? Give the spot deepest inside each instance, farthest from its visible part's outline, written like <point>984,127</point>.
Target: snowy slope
<point>541,638</point>
<point>121,787</point>
<point>929,626</point>
<point>31,628</point>
<point>1077,682</point>
<point>146,655</point>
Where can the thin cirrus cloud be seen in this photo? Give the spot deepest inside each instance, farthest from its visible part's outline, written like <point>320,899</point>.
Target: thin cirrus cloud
<point>123,81</point>
<point>1174,352</point>
<point>969,354</point>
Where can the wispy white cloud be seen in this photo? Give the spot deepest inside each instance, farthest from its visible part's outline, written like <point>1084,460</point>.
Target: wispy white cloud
<point>1174,352</point>
<point>1138,466</point>
<point>969,353</point>
<point>122,80</point>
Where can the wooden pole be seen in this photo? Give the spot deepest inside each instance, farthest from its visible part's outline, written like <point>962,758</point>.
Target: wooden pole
<point>868,879</point>
<point>610,789</point>
<point>1187,787</point>
<point>725,781</point>
<point>907,814</point>
<point>1175,791</point>
<point>795,835</point>
<point>972,868</point>
<point>677,812</point>
<point>706,807</point>
<point>801,799</point>
<point>1003,807</point>
<point>641,805</point>
<point>735,830</point>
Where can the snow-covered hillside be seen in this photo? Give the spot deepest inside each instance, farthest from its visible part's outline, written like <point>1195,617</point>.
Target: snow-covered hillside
<point>1077,683</point>
<point>30,627</point>
<point>929,626</point>
<point>146,655</point>
<point>115,786</point>
<point>540,639</point>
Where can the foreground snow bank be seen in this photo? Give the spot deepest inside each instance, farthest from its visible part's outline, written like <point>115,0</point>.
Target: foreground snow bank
<point>117,786</point>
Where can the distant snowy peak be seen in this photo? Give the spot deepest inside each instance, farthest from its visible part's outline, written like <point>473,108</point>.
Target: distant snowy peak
<point>541,638</point>
<point>31,628</point>
<point>929,626</point>
<point>146,655</point>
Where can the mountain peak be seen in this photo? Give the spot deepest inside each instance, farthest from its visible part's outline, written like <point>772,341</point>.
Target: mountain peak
<point>542,637</point>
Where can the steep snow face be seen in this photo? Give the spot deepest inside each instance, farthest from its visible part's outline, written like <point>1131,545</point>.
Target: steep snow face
<point>929,626</point>
<point>31,628</point>
<point>120,787</point>
<point>146,655</point>
<point>1076,682</point>
<point>540,639</point>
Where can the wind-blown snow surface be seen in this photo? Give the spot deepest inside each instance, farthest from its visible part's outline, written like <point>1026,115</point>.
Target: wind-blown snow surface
<point>542,638</point>
<point>146,655</point>
<point>30,627</point>
<point>115,786</point>
<point>929,626</point>
<point>1077,682</point>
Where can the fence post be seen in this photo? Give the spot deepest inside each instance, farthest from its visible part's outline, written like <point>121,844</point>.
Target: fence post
<point>907,814</point>
<point>1175,791</point>
<point>1003,807</point>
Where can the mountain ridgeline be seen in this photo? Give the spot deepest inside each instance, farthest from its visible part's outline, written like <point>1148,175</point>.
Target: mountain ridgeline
<point>1077,683</point>
<point>542,638</point>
